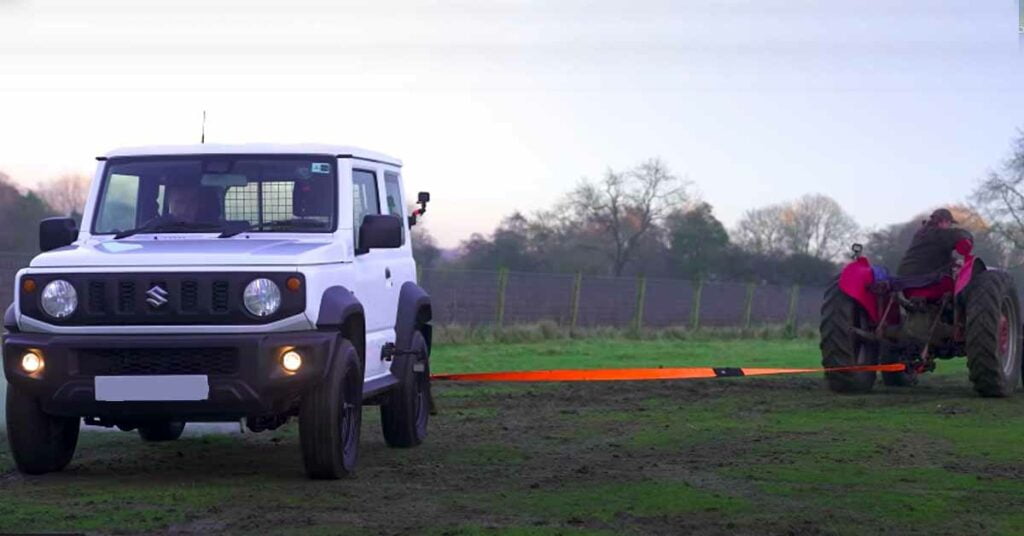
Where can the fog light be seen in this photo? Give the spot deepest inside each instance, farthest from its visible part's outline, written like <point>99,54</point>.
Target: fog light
<point>31,362</point>
<point>291,361</point>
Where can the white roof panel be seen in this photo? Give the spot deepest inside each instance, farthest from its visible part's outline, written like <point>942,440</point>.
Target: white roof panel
<point>253,148</point>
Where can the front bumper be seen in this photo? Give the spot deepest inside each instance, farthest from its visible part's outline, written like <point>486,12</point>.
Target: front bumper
<point>248,380</point>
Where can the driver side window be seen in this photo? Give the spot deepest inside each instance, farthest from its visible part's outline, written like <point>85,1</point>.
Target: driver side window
<point>365,199</point>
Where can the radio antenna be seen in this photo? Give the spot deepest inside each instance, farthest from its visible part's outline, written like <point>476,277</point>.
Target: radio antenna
<point>202,137</point>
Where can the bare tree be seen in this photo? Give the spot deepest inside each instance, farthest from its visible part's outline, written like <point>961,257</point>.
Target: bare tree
<point>1000,199</point>
<point>761,230</point>
<point>66,194</point>
<point>625,207</point>
<point>814,225</point>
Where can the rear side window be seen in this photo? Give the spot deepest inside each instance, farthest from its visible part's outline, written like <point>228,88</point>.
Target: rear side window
<point>394,197</point>
<point>365,198</point>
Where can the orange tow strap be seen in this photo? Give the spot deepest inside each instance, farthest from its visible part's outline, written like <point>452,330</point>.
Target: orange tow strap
<point>637,374</point>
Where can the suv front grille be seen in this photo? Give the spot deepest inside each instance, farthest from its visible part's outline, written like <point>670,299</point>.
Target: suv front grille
<point>97,297</point>
<point>126,296</point>
<point>163,298</point>
<point>157,361</point>
<point>189,295</point>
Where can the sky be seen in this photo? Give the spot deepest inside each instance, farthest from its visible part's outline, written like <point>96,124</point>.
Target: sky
<point>890,107</point>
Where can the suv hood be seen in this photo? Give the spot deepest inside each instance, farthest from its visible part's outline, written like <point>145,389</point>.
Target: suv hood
<point>176,250</point>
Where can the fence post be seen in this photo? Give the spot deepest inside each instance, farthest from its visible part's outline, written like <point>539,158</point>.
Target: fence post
<point>791,319</point>
<point>574,314</point>
<point>641,294</point>
<point>695,313</point>
<point>502,285</point>
<point>748,308</point>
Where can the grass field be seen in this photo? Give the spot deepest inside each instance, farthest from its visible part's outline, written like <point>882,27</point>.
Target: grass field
<point>739,455</point>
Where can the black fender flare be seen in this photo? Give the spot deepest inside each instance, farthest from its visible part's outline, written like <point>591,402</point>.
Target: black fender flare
<point>10,319</point>
<point>341,311</point>
<point>414,309</point>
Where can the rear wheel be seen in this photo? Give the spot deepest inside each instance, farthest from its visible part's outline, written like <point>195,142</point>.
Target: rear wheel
<point>40,443</point>
<point>405,414</point>
<point>841,347</point>
<point>330,417</point>
<point>993,334</point>
<point>161,430</point>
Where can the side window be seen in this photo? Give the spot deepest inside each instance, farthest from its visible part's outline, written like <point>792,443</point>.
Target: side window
<point>394,197</point>
<point>121,200</point>
<point>365,198</point>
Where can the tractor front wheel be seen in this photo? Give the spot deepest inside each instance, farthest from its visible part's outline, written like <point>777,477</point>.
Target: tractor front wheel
<point>993,334</point>
<point>841,346</point>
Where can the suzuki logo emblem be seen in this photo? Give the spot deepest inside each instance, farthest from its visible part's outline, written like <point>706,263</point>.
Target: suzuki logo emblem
<point>157,296</point>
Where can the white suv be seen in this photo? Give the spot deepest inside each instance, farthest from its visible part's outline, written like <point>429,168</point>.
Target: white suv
<point>214,283</point>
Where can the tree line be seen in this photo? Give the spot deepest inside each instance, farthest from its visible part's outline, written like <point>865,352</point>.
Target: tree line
<point>21,209</point>
<point>646,221</point>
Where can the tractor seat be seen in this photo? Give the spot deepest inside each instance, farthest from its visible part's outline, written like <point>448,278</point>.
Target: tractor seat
<point>885,283</point>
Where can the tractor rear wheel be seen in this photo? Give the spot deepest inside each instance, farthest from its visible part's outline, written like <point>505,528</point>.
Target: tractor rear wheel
<point>993,334</point>
<point>841,347</point>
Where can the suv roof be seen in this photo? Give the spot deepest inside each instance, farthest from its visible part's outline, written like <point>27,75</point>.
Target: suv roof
<point>254,148</point>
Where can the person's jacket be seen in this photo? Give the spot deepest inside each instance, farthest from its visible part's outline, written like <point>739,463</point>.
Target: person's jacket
<point>931,250</point>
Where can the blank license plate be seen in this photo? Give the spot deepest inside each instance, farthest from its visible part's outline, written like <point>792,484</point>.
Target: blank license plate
<point>152,388</point>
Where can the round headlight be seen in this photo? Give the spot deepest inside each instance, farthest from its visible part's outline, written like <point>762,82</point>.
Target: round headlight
<point>59,299</point>
<point>262,297</point>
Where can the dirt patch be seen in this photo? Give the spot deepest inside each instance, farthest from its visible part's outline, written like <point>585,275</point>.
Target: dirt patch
<point>732,456</point>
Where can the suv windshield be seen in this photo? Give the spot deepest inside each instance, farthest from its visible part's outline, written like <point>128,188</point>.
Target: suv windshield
<point>203,194</point>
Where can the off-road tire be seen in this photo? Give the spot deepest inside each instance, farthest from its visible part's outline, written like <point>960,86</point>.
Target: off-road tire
<point>992,305</point>
<point>330,418</point>
<point>40,443</point>
<point>406,412</point>
<point>161,430</point>
<point>841,347</point>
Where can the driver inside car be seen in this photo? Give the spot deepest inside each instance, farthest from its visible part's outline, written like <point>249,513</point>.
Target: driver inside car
<point>183,201</point>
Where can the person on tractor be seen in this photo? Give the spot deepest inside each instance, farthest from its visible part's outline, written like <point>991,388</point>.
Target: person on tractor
<point>930,252</point>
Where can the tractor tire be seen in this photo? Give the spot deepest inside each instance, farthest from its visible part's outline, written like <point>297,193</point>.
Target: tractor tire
<point>993,334</point>
<point>161,430</point>
<point>331,416</point>
<point>907,378</point>
<point>841,347</point>
<point>405,413</point>
<point>40,443</point>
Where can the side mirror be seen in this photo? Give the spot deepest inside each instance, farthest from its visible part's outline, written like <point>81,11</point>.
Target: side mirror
<point>56,233</point>
<point>379,232</point>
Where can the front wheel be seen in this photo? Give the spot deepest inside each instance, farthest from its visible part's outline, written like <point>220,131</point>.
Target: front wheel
<point>405,414</point>
<point>40,443</point>
<point>993,334</point>
<point>330,418</point>
<point>841,346</point>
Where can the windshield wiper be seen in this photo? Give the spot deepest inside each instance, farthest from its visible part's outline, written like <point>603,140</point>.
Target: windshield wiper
<point>232,230</point>
<point>165,225</point>
<point>300,223</point>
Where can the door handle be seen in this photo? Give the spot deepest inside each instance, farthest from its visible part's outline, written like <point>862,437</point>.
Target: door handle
<point>387,273</point>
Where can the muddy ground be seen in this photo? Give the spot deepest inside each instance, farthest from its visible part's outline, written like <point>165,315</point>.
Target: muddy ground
<point>727,456</point>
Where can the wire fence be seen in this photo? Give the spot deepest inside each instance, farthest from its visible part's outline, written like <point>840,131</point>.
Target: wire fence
<point>474,298</point>
<point>505,298</point>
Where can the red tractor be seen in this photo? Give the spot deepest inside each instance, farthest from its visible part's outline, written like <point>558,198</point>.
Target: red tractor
<point>869,317</point>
